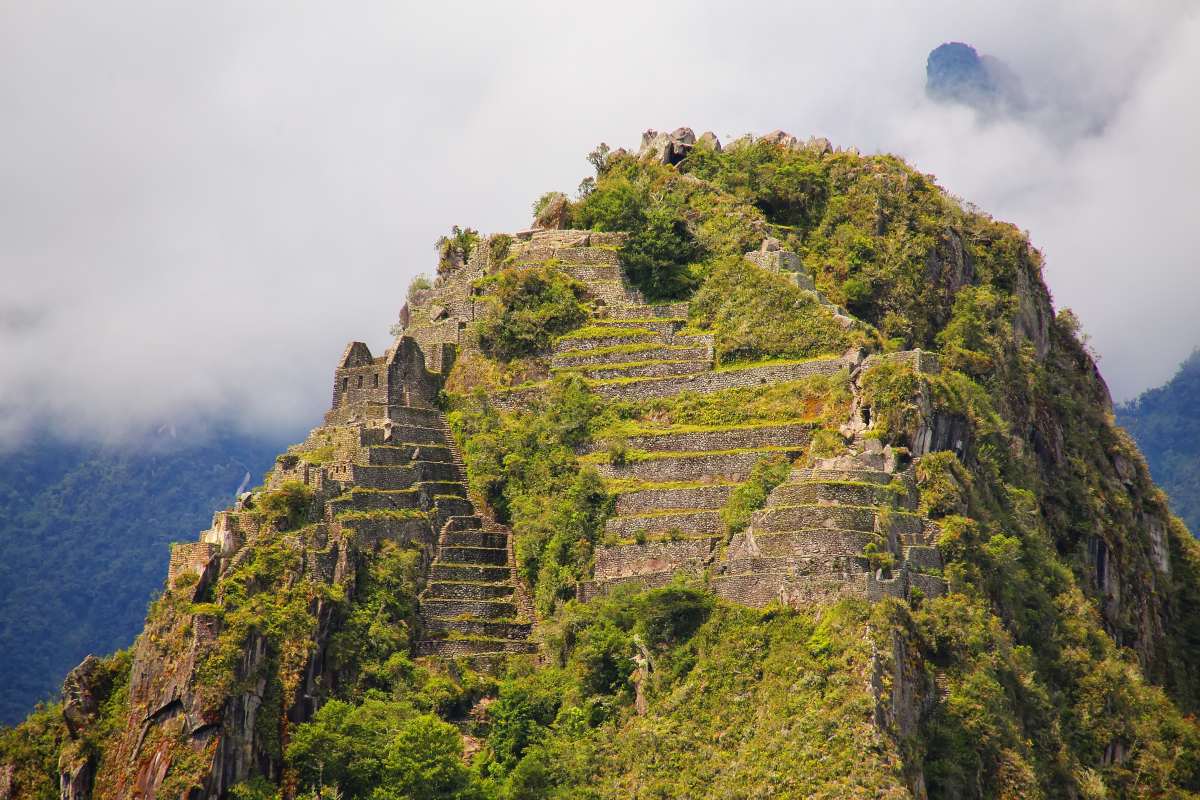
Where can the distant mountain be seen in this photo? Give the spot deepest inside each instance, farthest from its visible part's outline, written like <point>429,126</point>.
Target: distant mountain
<point>83,545</point>
<point>1166,424</point>
<point>956,73</point>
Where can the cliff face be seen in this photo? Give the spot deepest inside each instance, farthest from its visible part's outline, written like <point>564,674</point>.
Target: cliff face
<point>775,473</point>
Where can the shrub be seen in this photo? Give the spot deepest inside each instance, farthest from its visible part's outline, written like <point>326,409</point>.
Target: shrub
<point>498,247</point>
<point>660,248</point>
<point>743,501</point>
<point>527,308</point>
<point>285,508</point>
<point>657,255</point>
<point>667,616</point>
<point>525,465</point>
<point>418,284</point>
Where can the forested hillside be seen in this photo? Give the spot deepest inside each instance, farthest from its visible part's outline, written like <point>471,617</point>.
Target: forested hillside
<point>83,544</point>
<point>764,470</point>
<point>1166,425</point>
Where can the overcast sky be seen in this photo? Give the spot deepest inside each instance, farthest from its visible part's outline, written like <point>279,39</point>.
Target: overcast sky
<point>201,203</point>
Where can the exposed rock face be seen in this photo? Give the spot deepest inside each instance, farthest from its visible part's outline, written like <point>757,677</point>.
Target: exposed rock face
<point>668,148</point>
<point>956,73</point>
<point>79,699</point>
<point>554,215</point>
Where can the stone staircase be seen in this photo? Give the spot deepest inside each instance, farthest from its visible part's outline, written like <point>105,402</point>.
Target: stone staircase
<point>675,481</point>
<point>469,606</point>
<point>814,534</point>
<point>403,477</point>
<point>635,340</point>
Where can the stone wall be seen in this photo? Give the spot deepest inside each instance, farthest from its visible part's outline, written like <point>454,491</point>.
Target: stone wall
<point>688,521</point>
<point>802,544</point>
<point>717,380</point>
<point>645,500</point>
<point>703,466</point>
<point>760,590</point>
<point>399,378</point>
<point>623,561</point>
<point>194,558</point>
<point>790,435</point>
<point>919,360</point>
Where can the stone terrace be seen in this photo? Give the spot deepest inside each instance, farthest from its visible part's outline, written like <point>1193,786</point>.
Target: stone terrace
<point>823,532</point>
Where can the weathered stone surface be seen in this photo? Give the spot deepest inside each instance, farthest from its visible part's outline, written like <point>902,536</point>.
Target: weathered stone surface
<point>667,148</point>
<point>709,139</point>
<point>623,561</point>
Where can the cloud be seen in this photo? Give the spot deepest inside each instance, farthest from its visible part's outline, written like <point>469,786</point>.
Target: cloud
<point>200,204</point>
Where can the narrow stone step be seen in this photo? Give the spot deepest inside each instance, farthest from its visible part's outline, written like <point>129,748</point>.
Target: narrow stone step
<point>803,543</point>
<point>411,415</point>
<point>415,434</point>
<point>684,521</point>
<point>475,538</point>
<point>472,573</point>
<point>448,648</point>
<point>837,493</point>
<point>722,438</point>
<point>478,609</point>
<point>465,522</point>
<point>472,555</point>
<point>640,369</point>
<point>773,519</point>
<point>849,475</point>
<point>728,467</point>
<point>643,310</point>
<point>665,326</point>
<point>376,500</point>
<point>646,351</point>
<point>621,561</point>
<point>652,499</point>
<point>485,628</point>
<point>392,455</point>
<point>447,590</point>
<point>717,380</point>
<point>596,338</point>
<point>589,590</point>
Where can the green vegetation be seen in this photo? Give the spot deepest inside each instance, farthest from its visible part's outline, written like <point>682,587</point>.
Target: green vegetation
<point>743,501</point>
<point>658,254</point>
<point>455,249</point>
<point>418,284</point>
<point>1164,423</point>
<point>527,309</point>
<point>820,399</point>
<point>524,465</point>
<point>1060,662</point>
<point>85,534</point>
<point>758,314</point>
<point>284,508</point>
<point>718,682</point>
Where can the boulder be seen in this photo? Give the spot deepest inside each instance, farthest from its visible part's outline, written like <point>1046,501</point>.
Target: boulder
<point>80,704</point>
<point>819,145</point>
<point>554,215</point>
<point>781,138</point>
<point>710,140</point>
<point>667,148</point>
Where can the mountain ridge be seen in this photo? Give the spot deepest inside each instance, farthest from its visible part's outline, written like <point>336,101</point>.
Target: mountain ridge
<point>779,462</point>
